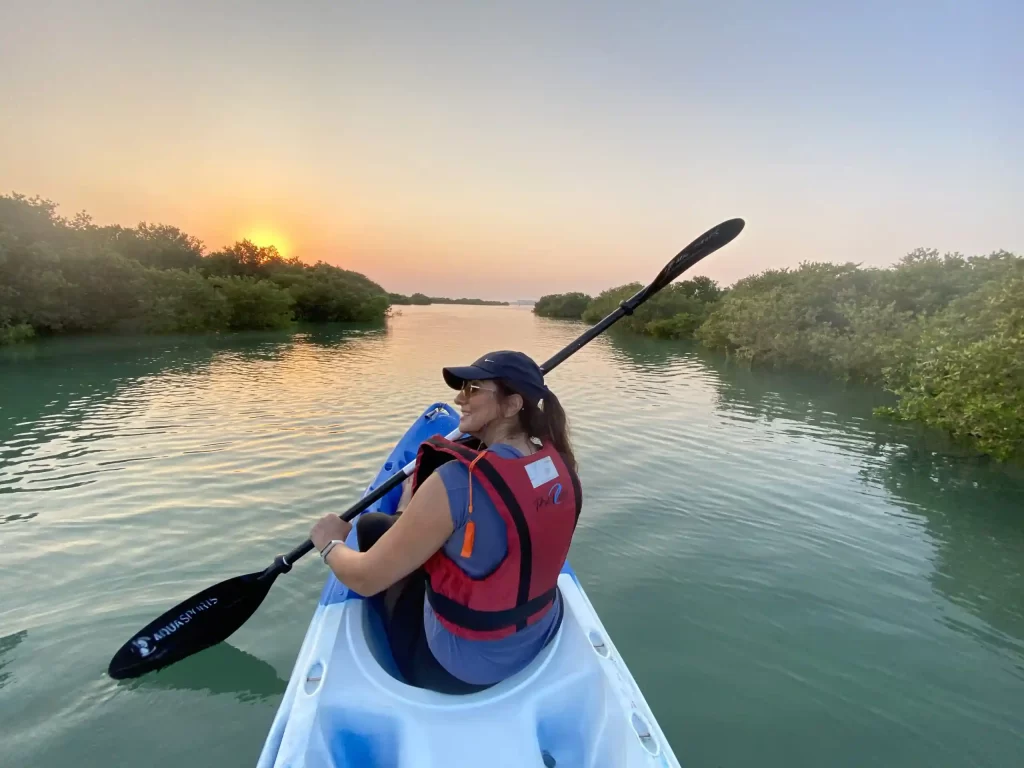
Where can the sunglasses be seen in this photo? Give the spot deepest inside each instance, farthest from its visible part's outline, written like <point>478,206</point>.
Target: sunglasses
<point>470,388</point>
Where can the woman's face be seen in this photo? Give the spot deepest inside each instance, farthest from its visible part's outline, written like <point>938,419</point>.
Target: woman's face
<point>480,405</point>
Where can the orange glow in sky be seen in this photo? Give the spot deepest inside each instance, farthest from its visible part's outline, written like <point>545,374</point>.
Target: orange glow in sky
<point>508,150</point>
<point>267,236</point>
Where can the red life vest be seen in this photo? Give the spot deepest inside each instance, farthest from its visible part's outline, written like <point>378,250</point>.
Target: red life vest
<point>539,498</point>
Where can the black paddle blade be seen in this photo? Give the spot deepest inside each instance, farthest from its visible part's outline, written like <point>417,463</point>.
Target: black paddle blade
<point>203,620</point>
<point>703,246</point>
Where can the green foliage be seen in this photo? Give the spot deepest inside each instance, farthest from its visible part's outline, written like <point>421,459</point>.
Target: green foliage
<point>154,245</point>
<point>12,334</point>
<point>61,276</point>
<point>185,302</point>
<point>681,326</point>
<point>606,302</point>
<point>417,299</point>
<point>463,300</point>
<point>105,291</point>
<point>568,306</point>
<point>254,304</point>
<point>246,259</point>
<point>813,317</point>
<point>924,283</point>
<point>838,318</point>
<point>33,290</point>
<point>944,333</point>
<point>324,293</point>
<point>422,299</point>
<point>674,312</point>
<point>964,371</point>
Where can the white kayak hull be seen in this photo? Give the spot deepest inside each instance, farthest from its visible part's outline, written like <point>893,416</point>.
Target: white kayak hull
<point>576,704</point>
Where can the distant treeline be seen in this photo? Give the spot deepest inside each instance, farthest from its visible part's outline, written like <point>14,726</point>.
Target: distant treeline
<point>945,333</point>
<point>674,312</point>
<point>61,275</point>
<point>421,299</point>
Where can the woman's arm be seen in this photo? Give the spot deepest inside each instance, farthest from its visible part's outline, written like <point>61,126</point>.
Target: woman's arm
<point>418,533</point>
<point>406,497</point>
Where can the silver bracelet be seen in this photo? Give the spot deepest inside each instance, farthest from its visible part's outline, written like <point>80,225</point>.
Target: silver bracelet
<point>328,547</point>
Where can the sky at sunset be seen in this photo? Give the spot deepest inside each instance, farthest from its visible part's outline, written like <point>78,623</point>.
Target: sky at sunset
<point>506,150</point>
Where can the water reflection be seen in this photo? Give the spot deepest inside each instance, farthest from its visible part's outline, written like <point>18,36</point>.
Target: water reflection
<point>333,335</point>
<point>64,385</point>
<point>219,669</point>
<point>971,506</point>
<point>67,378</point>
<point>973,511</point>
<point>7,645</point>
<point>794,395</point>
<point>14,517</point>
<point>54,386</point>
<point>645,352</point>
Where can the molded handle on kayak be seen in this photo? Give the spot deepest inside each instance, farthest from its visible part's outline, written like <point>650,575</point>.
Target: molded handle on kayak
<point>284,563</point>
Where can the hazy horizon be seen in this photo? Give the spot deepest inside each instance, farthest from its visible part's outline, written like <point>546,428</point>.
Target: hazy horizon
<point>509,152</point>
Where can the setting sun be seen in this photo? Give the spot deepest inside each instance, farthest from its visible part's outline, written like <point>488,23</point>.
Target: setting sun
<point>264,237</point>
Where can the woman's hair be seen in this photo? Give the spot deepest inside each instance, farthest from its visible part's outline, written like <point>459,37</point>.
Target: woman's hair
<point>546,420</point>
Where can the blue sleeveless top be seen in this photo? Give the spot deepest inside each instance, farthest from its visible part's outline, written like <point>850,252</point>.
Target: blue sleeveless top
<point>482,662</point>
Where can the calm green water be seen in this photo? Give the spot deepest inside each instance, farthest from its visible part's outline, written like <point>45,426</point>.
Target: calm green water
<point>792,582</point>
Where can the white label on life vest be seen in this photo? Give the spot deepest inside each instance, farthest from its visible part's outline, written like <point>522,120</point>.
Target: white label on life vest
<point>541,471</point>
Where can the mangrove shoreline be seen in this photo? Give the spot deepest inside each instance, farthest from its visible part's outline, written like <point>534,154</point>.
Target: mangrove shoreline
<point>945,333</point>
<point>68,276</point>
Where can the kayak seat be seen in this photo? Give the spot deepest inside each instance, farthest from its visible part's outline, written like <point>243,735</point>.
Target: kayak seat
<point>379,647</point>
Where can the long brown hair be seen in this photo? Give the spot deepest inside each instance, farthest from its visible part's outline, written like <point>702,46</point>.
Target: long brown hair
<point>545,420</point>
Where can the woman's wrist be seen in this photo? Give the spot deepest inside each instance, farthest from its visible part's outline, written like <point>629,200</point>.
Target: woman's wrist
<point>345,564</point>
<point>328,547</point>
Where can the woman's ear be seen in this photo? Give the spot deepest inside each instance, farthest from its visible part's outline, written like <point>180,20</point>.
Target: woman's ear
<point>513,404</point>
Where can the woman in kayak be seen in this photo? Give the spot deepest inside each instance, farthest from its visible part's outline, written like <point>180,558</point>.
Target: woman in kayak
<point>465,576</point>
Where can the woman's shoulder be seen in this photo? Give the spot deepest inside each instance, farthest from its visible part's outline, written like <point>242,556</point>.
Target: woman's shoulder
<point>455,474</point>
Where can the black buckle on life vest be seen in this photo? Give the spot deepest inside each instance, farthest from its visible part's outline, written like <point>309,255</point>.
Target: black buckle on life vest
<point>487,621</point>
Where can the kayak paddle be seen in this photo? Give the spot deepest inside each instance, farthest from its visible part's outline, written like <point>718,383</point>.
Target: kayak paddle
<point>212,615</point>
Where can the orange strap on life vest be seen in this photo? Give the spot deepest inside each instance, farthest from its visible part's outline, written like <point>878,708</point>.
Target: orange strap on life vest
<point>470,535</point>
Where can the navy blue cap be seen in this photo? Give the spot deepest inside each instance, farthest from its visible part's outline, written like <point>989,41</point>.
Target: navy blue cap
<point>514,368</point>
